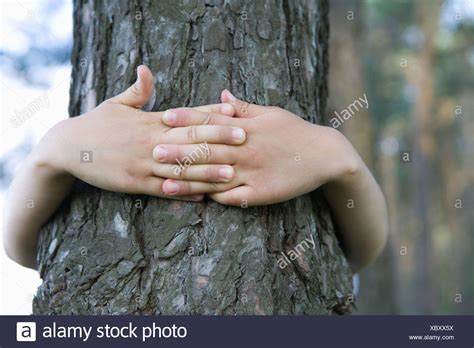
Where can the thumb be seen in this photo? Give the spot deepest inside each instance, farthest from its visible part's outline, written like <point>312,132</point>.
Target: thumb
<point>242,108</point>
<point>137,94</point>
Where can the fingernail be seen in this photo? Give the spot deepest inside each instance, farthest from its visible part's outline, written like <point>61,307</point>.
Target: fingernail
<point>231,96</point>
<point>197,197</point>
<point>238,134</point>
<point>169,116</point>
<point>171,188</point>
<point>160,153</point>
<point>227,109</point>
<point>138,82</point>
<point>226,172</point>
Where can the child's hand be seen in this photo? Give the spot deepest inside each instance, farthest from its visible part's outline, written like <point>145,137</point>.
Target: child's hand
<point>282,158</point>
<point>111,146</point>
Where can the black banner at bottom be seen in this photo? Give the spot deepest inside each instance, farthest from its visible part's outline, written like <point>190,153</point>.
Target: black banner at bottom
<point>237,331</point>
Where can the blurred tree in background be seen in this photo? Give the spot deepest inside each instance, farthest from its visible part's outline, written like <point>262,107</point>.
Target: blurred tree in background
<point>414,60</point>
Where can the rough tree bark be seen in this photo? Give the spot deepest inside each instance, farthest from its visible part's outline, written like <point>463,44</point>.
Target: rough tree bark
<point>110,253</point>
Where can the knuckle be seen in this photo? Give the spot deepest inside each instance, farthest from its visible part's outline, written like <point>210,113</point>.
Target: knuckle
<point>176,154</point>
<point>244,107</point>
<point>252,126</point>
<point>251,152</point>
<point>134,91</point>
<point>208,118</point>
<point>208,154</point>
<point>133,178</point>
<point>216,187</point>
<point>127,182</point>
<point>153,169</point>
<point>183,172</point>
<point>192,133</point>
<point>148,119</point>
<point>144,140</point>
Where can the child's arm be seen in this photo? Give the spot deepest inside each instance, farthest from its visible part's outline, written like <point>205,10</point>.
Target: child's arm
<point>359,208</point>
<point>284,157</point>
<point>109,147</point>
<point>34,195</point>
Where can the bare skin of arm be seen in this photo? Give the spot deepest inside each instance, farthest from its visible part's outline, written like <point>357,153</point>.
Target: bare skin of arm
<point>279,157</point>
<point>284,157</point>
<point>121,138</point>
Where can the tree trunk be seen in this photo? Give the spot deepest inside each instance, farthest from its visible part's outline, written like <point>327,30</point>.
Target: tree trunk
<point>110,253</point>
<point>424,149</point>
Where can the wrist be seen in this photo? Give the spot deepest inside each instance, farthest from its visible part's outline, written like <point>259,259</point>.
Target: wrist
<point>53,154</point>
<point>347,162</point>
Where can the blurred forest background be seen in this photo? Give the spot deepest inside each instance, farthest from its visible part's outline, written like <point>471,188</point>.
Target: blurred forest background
<point>413,59</point>
<point>415,62</point>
